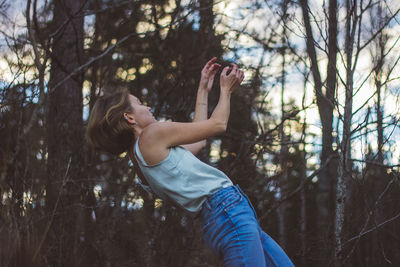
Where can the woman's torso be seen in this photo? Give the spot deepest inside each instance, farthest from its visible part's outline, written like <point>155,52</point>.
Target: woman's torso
<point>182,178</point>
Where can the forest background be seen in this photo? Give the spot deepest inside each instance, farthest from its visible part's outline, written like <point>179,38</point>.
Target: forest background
<point>312,138</point>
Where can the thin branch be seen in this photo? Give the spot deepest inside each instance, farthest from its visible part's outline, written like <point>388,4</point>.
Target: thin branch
<point>372,229</point>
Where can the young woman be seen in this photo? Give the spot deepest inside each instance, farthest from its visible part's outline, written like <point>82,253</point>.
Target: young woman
<point>164,155</point>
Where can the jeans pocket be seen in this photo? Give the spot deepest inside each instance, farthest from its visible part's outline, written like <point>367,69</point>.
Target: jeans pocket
<point>222,205</point>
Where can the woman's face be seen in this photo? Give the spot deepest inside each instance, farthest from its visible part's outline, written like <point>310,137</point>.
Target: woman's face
<point>141,113</point>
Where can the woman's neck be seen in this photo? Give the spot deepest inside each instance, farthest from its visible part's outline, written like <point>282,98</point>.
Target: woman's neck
<point>137,131</point>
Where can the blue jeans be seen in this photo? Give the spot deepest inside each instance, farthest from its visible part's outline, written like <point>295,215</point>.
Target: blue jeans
<point>231,229</point>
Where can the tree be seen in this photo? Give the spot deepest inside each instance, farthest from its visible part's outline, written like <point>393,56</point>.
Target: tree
<point>65,184</point>
<point>326,104</point>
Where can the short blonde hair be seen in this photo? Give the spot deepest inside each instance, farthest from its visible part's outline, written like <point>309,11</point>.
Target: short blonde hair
<point>107,129</point>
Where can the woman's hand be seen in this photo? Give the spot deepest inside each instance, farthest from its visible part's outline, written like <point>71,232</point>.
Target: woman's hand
<point>208,73</point>
<point>229,82</point>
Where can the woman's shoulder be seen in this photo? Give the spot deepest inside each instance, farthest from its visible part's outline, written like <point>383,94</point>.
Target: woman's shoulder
<point>152,152</point>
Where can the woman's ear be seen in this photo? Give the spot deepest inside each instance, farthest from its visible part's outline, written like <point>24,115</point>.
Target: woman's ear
<point>129,118</point>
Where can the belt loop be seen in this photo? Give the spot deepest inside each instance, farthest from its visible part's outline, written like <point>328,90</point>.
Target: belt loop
<point>208,206</point>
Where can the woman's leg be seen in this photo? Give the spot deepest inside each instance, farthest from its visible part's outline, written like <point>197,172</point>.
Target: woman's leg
<point>243,246</point>
<point>231,229</point>
<point>274,254</point>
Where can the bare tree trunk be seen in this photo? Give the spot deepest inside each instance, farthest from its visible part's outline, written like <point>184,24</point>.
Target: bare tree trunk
<point>378,183</point>
<point>66,240</point>
<point>303,213</point>
<point>283,180</point>
<point>327,185</point>
<point>206,22</point>
<point>345,164</point>
<point>303,192</point>
<point>325,103</point>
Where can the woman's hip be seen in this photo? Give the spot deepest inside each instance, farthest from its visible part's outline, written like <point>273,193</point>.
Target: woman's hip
<point>231,201</point>
<point>228,214</point>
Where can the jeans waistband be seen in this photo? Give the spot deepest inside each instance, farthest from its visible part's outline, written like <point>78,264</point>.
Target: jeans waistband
<point>210,204</point>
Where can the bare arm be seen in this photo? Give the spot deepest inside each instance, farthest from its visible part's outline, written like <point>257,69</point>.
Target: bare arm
<point>157,138</point>
<point>201,109</point>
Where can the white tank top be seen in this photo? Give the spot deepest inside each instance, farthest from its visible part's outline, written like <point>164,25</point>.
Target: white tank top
<point>182,178</point>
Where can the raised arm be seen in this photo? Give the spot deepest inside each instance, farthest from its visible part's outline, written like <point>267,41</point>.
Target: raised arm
<point>200,113</point>
<point>157,138</point>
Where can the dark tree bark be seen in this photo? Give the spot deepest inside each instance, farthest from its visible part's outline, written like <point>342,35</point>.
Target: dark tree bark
<point>283,153</point>
<point>378,213</point>
<point>326,103</point>
<point>65,185</point>
<point>206,29</point>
